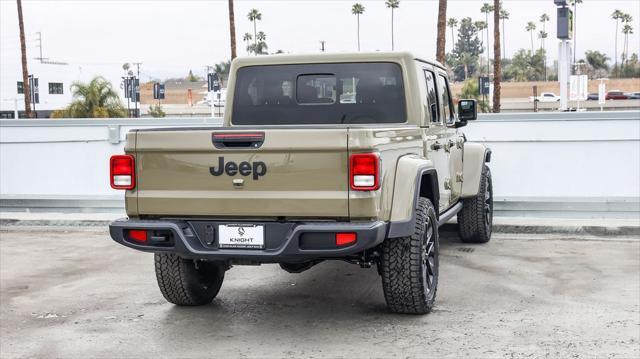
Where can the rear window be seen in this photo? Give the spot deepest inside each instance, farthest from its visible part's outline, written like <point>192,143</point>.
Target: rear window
<point>319,94</point>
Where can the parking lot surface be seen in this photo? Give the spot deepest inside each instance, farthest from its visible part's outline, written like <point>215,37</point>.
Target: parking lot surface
<point>75,293</point>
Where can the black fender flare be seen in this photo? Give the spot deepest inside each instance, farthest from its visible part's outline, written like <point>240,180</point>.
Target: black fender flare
<point>431,189</point>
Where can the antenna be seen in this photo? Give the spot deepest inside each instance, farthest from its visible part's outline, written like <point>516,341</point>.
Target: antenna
<point>322,42</point>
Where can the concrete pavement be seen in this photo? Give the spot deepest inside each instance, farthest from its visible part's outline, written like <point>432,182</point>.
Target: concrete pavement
<point>72,292</point>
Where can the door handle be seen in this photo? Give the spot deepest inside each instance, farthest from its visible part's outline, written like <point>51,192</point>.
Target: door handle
<point>448,146</point>
<point>436,146</point>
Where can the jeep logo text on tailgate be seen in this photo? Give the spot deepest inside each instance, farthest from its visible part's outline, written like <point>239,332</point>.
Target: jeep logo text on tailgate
<point>245,168</point>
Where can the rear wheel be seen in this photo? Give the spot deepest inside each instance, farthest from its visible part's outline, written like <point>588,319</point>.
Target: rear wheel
<point>409,265</point>
<point>188,282</point>
<point>475,220</point>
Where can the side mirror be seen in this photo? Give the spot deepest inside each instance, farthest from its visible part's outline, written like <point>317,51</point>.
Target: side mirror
<point>467,110</point>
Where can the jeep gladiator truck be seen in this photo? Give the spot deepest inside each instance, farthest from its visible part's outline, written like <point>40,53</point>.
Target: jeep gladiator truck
<point>355,157</point>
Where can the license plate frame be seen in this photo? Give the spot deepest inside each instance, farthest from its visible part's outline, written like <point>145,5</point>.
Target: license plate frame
<point>241,236</point>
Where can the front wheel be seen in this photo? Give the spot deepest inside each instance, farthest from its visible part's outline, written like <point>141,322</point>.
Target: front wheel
<point>187,282</point>
<point>409,265</point>
<point>475,220</point>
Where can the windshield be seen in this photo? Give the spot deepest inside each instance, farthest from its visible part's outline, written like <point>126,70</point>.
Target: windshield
<point>319,94</point>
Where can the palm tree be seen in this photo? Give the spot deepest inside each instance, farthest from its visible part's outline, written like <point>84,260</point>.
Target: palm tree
<point>25,71</point>
<point>358,9</point>
<point>442,27</point>
<point>486,9</point>
<point>543,19</point>
<point>452,23</point>
<point>222,69</point>
<point>260,46</point>
<point>575,24</point>
<point>504,15</point>
<point>616,15</point>
<point>497,61</point>
<point>467,60</point>
<point>480,26</point>
<point>531,27</point>
<point>232,30</point>
<point>96,99</point>
<point>253,16</point>
<point>246,38</point>
<point>542,35</point>
<point>626,30</point>
<point>392,4</point>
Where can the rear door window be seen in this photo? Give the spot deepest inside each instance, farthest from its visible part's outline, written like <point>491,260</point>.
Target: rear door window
<point>446,107</point>
<point>432,98</point>
<point>342,93</point>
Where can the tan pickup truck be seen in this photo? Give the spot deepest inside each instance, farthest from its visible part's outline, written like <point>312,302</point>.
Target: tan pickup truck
<point>355,157</point>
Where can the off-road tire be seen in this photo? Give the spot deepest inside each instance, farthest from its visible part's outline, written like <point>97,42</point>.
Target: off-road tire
<point>187,282</point>
<point>409,265</point>
<point>475,220</point>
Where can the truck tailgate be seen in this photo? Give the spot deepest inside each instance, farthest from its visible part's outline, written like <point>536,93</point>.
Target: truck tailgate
<point>293,172</point>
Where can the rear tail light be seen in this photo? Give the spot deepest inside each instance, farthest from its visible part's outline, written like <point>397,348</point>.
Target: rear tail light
<point>139,235</point>
<point>344,239</point>
<point>364,171</point>
<point>122,172</point>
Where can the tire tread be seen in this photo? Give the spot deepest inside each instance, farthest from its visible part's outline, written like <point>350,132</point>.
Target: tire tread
<point>401,267</point>
<point>471,228</point>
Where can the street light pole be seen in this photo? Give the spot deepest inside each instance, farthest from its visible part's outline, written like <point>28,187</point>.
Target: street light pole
<point>136,90</point>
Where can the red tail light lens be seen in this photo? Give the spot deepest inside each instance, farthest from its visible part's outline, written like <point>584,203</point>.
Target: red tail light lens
<point>343,239</point>
<point>364,171</point>
<point>139,235</point>
<point>122,172</point>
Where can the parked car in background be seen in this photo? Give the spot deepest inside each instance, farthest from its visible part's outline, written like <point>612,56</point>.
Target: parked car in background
<point>592,97</point>
<point>616,95</point>
<point>545,97</point>
<point>633,95</point>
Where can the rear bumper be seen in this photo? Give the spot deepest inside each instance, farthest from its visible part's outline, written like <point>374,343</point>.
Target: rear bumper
<point>284,241</point>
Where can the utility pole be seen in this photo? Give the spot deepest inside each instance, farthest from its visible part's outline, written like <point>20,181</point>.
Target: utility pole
<point>322,42</point>
<point>25,71</point>
<point>497,61</point>
<point>565,35</point>
<point>137,89</point>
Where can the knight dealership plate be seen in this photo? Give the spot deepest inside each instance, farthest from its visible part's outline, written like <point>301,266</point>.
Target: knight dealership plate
<point>246,236</point>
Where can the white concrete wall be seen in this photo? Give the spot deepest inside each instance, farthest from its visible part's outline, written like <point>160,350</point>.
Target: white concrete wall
<point>579,155</point>
<point>569,158</point>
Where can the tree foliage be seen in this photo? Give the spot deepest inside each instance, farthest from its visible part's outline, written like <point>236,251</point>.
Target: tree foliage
<point>597,62</point>
<point>191,77</point>
<point>465,54</point>
<point>156,111</point>
<point>470,90</point>
<point>259,47</point>
<point>96,99</point>
<point>526,66</point>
